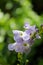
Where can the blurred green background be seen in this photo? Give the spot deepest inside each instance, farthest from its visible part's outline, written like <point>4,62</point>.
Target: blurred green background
<point>13,14</point>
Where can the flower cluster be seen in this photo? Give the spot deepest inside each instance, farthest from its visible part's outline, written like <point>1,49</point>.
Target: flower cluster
<point>24,39</point>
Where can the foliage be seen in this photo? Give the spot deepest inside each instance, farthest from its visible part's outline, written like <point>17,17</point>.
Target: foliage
<point>13,14</point>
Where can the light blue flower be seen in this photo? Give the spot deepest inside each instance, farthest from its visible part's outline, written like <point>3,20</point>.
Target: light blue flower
<point>24,39</point>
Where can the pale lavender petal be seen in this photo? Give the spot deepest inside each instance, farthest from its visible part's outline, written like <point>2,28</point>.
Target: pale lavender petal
<point>18,39</point>
<point>29,31</point>
<point>37,36</point>
<point>33,28</point>
<point>18,47</point>
<point>11,46</point>
<point>15,32</point>
<point>27,25</point>
<point>25,36</point>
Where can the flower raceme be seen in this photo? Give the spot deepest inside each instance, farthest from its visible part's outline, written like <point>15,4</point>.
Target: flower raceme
<point>24,39</point>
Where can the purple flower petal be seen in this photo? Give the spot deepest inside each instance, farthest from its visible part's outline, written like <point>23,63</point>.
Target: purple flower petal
<point>27,25</point>
<point>11,46</point>
<point>25,37</point>
<point>37,36</point>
